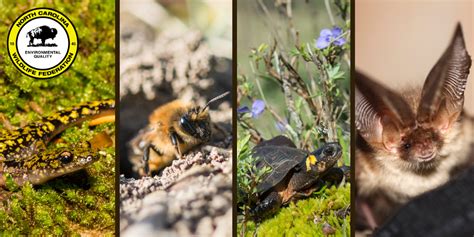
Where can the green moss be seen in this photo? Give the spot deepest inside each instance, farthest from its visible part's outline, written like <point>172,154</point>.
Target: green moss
<point>91,76</point>
<point>83,202</point>
<point>307,217</point>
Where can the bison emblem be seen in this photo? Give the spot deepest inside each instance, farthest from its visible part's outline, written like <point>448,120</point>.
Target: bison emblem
<point>43,33</point>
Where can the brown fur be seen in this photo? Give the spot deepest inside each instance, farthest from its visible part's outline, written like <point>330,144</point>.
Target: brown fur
<point>379,171</point>
<point>411,142</point>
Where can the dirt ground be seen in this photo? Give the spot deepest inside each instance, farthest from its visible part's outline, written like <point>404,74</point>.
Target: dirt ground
<point>194,194</point>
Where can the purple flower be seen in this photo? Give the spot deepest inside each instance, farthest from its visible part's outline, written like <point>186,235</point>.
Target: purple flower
<point>281,126</point>
<point>326,37</point>
<point>243,109</point>
<point>258,107</point>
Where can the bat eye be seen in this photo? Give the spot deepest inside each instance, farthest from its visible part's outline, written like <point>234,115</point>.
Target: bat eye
<point>407,146</point>
<point>65,157</point>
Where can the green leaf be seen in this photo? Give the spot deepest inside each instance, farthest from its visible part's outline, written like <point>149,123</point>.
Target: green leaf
<point>262,48</point>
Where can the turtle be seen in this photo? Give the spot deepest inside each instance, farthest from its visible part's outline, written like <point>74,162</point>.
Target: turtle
<point>294,174</point>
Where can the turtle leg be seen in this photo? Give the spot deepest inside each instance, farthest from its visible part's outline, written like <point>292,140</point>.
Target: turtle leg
<point>303,185</point>
<point>334,175</point>
<point>306,192</point>
<point>302,181</point>
<point>269,205</point>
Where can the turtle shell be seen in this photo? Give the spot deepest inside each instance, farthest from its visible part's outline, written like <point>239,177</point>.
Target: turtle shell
<point>280,158</point>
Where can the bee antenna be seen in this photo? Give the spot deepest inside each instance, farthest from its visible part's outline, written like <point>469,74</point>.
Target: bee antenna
<point>214,99</point>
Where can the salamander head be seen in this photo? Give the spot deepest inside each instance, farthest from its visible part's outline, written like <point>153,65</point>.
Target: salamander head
<point>47,165</point>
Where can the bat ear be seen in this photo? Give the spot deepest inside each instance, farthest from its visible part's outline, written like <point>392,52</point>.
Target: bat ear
<point>442,96</point>
<point>381,114</point>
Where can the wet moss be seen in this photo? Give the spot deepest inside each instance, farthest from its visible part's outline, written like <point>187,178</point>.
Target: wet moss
<point>84,202</point>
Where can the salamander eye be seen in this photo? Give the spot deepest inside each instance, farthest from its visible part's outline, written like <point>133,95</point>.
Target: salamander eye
<point>65,157</point>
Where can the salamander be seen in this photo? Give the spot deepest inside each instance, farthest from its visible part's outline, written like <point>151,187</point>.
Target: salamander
<point>48,164</point>
<point>23,152</point>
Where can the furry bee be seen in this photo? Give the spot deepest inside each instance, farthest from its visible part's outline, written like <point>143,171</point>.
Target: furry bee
<point>174,128</point>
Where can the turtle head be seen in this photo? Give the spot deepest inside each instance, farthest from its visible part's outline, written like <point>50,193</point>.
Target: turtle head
<point>323,158</point>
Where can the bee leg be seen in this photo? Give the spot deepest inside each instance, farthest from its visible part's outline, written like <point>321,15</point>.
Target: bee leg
<point>175,141</point>
<point>146,157</point>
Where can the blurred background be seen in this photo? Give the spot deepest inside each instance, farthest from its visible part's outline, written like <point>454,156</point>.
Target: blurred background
<point>398,42</point>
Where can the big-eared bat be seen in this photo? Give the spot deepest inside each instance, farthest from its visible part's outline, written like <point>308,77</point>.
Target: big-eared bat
<point>412,141</point>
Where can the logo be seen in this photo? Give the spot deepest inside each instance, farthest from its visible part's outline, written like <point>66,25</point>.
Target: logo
<point>42,43</point>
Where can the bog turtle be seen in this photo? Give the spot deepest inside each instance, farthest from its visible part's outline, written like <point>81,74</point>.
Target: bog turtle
<point>294,173</point>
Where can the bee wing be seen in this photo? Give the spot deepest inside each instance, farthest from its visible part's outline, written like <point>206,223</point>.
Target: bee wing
<point>442,97</point>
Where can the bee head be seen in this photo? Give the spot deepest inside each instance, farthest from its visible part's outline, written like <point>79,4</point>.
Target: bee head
<point>196,122</point>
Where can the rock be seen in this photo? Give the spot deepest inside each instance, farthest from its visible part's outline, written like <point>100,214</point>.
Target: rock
<point>193,196</point>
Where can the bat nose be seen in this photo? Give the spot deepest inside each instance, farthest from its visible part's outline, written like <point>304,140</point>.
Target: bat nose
<point>427,154</point>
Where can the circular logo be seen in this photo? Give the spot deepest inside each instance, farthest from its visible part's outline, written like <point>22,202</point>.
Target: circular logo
<point>42,43</point>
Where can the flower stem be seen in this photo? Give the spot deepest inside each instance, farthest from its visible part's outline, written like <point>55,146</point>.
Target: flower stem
<point>328,8</point>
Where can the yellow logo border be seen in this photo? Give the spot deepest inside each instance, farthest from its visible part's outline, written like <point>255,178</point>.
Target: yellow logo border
<point>55,70</point>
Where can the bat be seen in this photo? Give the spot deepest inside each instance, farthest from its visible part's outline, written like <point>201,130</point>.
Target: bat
<point>411,141</point>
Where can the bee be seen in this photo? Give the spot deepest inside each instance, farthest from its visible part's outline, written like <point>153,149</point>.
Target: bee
<point>174,128</point>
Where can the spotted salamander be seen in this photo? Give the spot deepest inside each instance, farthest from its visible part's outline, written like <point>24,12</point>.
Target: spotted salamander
<point>23,152</point>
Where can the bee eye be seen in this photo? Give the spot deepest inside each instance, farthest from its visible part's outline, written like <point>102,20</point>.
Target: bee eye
<point>187,126</point>
<point>65,157</point>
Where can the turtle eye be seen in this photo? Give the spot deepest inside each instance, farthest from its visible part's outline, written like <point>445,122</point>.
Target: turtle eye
<point>65,157</point>
<point>329,151</point>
